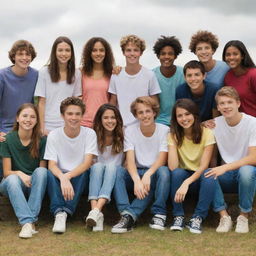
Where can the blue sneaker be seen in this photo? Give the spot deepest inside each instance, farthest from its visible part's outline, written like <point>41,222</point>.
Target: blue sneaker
<point>178,223</point>
<point>195,225</point>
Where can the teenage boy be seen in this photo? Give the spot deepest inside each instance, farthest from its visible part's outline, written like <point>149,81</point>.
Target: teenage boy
<point>169,76</point>
<point>198,90</point>
<point>204,44</point>
<point>134,80</point>
<point>235,134</point>
<point>70,150</point>
<point>146,155</point>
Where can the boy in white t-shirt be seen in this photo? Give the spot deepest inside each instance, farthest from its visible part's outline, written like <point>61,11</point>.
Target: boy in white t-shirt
<point>235,134</point>
<point>70,150</point>
<point>134,80</point>
<point>146,154</point>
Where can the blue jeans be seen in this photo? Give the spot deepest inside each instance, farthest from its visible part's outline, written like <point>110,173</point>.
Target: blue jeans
<point>204,186</point>
<point>160,188</point>
<point>102,181</point>
<point>57,201</point>
<point>241,181</point>
<point>27,211</point>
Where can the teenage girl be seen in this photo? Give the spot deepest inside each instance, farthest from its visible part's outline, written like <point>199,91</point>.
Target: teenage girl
<point>25,174</point>
<point>190,151</point>
<point>108,125</point>
<point>57,81</point>
<point>97,64</point>
<point>242,74</point>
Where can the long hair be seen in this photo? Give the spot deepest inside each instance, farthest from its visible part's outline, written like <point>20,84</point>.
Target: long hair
<point>246,61</point>
<point>87,61</point>
<point>177,130</point>
<point>117,134</point>
<point>36,133</point>
<point>53,65</point>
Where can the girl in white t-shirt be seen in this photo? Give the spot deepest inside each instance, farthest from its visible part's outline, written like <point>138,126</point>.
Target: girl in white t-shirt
<point>190,150</point>
<point>57,81</point>
<point>97,63</point>
<point>108,125</point>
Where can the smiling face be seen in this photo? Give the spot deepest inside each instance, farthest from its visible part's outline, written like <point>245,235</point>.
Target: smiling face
<point>184,118</point>
<point>27,119</point>
<point>194,78</point>
<point>98,52</point>
<point>72,117</point>
<point>204,52</point>
<point>132,53</point>
<point>22,59</point>
<point>228,107</point>
<point>145,114</point>
<point>63,53</point>
<point>233,57</point>
<point>167,56</point>
<point>108,120</point>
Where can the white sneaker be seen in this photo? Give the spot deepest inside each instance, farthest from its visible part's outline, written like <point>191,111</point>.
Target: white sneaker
<point>225,224</point>
<point>99,224</point>
<point>91,220</point>
<point>60,223</point>
<point>27,231</point>
<point>242,224</point>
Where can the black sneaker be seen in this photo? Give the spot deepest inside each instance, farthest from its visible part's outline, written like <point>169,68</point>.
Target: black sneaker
<point>157,223</point>
<point>178,223</point>
<point>124,225</point>
<point>195,225</point>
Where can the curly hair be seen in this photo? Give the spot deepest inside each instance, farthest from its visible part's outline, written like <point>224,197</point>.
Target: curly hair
<point>132,39</point>
<point>87,61</point>
<point>203,36</point>
<point>22,45</point>
<point>117,134</point>
<point>167,41</point>
<point>71,101</point>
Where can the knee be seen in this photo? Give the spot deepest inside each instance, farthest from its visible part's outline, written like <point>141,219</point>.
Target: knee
<point>178,173</point>
<point>247,174</point>
<point>120,172</point>
<point>12,180</point>
<point>40,172</point>
<point>208,179</point>
<point>163,173</point>
<point>97,169</point>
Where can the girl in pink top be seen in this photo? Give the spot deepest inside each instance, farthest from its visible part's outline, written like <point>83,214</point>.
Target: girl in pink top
<point>97,63</point>
<point>242,74</point>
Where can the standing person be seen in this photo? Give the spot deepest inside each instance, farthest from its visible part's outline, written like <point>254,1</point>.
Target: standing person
<point>134,80</point>
<point>57,81</point>
<point>67,179</point>
<point>97,64</point>
<point>204,44</point>
<point>24,168</point>
<point>108,125</point>
<point>146,174</point>
<point>235,134</point>
<point>169,75</point>
<point>190,151</point>
<point>242,75</point>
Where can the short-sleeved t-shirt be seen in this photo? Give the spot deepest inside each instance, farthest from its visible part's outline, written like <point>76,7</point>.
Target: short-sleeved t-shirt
<point>146,149</point>
<point>14,91</point>
<point>55,93</point>
<point>246,87</point>
<point>190,153</point>
<point>168,87</point>
<point>20,156</point>
<point>95,94</point>
<point>206,103</point>
<point>233,141</point>
<point>128,87</point>
<point>68,152</point>
<point>107,157</point>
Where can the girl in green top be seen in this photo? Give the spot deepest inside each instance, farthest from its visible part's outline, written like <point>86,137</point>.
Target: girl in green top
<point>25,173</point>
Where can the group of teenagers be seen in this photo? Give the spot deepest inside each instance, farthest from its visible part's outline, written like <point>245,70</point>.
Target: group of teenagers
<point>140,135</point>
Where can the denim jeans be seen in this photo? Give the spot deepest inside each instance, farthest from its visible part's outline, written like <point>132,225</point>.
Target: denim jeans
<point>160,188</point>
<point>204,186</point>
<point>102,181</point>
<point>241,181</point>
<point>27,211</point>
<point>57,201</point>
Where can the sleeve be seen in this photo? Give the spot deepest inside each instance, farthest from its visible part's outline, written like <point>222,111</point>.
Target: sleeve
<point>154,87</point>
<point>209,137</point>
<point>77,84</point>
<point>91,144</point>
<point>4,149</point>
<point>41,84</point>
<point>112,85</point>
<point>128,142</point>
<point>50,149</point>
<point>42,147</point>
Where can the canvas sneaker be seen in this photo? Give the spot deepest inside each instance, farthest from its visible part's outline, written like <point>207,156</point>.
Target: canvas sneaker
<point>99,223</point>
<point>60,223</point>
<point>242,224</point>
<point>92,217</point>
<point>225,224</point>
<point>158,222</point>
<point>195,225</point>
<point>27,231</point>
<point>125,224</point>
<point>178,223</point>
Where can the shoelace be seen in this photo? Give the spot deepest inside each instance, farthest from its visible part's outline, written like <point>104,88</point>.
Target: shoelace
<point>123,221</point>
<point>158,221</point>
<point>196,222</point>
<point>178,221</point>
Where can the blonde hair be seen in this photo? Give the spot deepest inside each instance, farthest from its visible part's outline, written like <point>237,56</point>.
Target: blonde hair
<point>227,91</point>
<point>134,40</point>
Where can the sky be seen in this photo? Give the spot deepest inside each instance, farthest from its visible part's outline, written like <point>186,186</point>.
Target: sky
<point>41,22</point>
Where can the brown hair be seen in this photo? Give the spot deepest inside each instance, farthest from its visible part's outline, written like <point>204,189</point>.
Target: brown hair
<point>132,39</point>
<point>71,101</point>
<point>227,91</point>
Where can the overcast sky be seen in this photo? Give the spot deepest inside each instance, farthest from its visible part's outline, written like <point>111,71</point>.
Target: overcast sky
<point>41,22</point>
